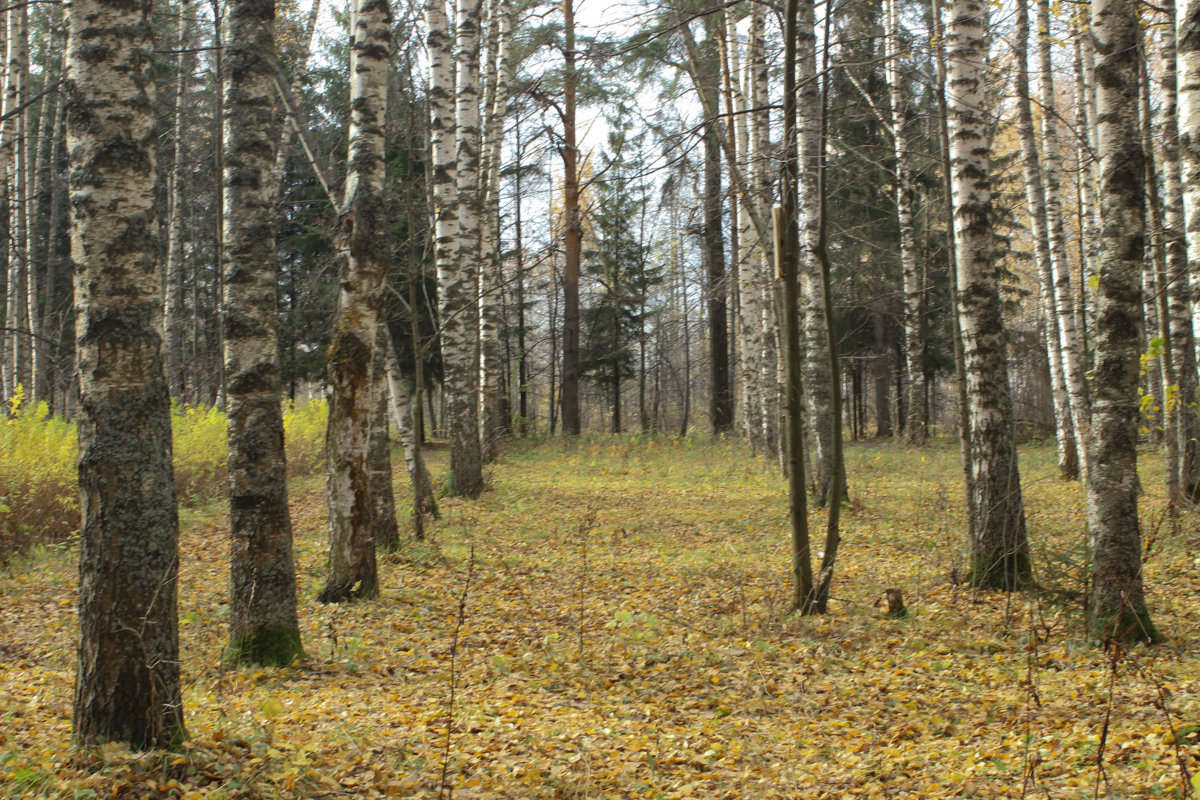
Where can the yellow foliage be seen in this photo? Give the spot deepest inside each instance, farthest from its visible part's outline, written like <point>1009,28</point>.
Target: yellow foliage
<point>39,454</point>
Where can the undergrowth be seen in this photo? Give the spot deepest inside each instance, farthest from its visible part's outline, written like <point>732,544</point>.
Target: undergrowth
<point>39,503</point>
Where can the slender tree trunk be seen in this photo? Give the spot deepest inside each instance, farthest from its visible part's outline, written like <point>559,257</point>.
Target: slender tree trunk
<point>1182,343</point>
<point>16,91</point>
<point>1073,368</point>
<point>1035,198</point>
<point>401,391</point>
<point>999,547</point>
<point>386,532</point>
<point>127,685</point>
<point>1118,606</point>
<point>173,321</point>
<point>1086,149</point>
<point>490,282</point>
<point>708,82</point>
<point>217,319</point>
<point>367,254</point>
<point>817,381</point>
<point>573,231</point>
<point>797,16</point>
<point>916,425</point>
<point>263,624</point>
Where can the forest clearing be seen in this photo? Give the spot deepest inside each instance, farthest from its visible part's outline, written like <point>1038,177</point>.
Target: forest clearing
<point>610,620</point>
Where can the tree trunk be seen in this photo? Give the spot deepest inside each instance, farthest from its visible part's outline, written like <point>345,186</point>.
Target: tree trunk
<point>1183,342</point>
<point>263,626</point>
<point>400,394</point>
<point>127,682</point>
<point>173,320</point>
<point>916,425</point>
<point>490,281</point>
<point>1118,606</point>
<point>817,380</point>
<point>573,232</point>
<point>1074,371</point>
<point>999,547</point>
<point>798,24</point>
<point>1035,198</point>
<point>379,458</point>
<point>367,254</point>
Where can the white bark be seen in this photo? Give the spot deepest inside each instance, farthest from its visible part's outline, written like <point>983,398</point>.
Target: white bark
<point>999,548</point>
<point>352,571</point>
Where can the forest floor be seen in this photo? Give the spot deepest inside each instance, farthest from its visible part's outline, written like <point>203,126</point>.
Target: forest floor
<point>610,621</point>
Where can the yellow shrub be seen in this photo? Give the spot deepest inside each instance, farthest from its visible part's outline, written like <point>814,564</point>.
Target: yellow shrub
<point>304,436</point>
<point>39,499</point>
<point>38,457</point>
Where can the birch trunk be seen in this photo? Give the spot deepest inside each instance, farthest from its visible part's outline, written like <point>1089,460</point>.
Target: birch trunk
<point>749,314</point>
<point>817,380</point>
<point>1179,312</point>
<point>1074,371</point>
<point>173,320</point>
<point>363,218</point>
<point>263,625</point>
<point>8,378</point>
<point>14,142</point>
<point>1035,198</point>
<point>916,426</point>
<point>999,547</point>
<point>400,394</point>
<point>1086,149</point>
<point>1118,607</point>
<point>490,282</point>
<point>385,533</point>
<point>127,685</point>
<point>460,291</point>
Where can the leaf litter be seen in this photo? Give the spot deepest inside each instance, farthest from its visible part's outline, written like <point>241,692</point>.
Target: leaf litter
<point>625,634</point>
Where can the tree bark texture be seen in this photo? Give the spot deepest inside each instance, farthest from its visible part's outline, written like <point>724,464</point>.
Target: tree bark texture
<point>1183,342</point>
<point>916,427</point>
<point>364,273</point>
<point>127,681</point>
<point>263,626</point>
<point>1035,198</point>
<point>379,458</point>
<point>1118,607</point>
<point>572,232</point>
<point>999,547</point>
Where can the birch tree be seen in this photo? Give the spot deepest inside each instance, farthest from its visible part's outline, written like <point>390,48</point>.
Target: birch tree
<point>1182,340</point>
<point>999,547</point>
<point>263,625</point>
<point>366,264</point>
<point>1035,199</point>
<point>127,679</point>
<point>1117,606</point>
<point>915,430</point>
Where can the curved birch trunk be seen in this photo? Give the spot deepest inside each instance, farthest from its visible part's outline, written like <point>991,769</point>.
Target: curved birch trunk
<point>363,218</point>
<point>263,626</point>
<point>999,547</point>
<point>1118,606</point>
<point>1035,198</point>
<point>127,680</point>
